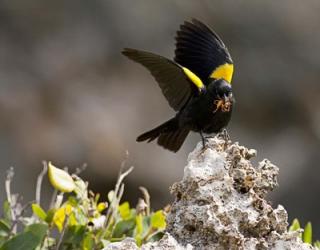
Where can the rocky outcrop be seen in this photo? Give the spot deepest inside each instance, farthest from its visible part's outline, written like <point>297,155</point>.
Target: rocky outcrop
<point>220,203</point>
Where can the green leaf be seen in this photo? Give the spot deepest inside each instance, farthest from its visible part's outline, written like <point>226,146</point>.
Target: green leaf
<point>146,226</point>
<point>4,226</point>
<point>3,234</point>
<point>23,241</point>
<point>78,217</point>
<point>124,227</point>
<point>60,179</point>
<point>73,201</point>
<point>124,210</point>
<point>96,198</point>
<point>38,211</point>
<point>158,220</point>
<point>139,229</point>
<point>139,224</point>
<point>295,225</point>
<point>30,239</point>
<point>74,235</point>
<point>307,234</point>
<point>138,240</point>
<point>81,189</point>
<point>88,242</point>
<point>2,241</point>
<point>316,244</point>
<point>7,211</point>
<point>38,229</point>
<point>50,215</point>
<point>156,237</point>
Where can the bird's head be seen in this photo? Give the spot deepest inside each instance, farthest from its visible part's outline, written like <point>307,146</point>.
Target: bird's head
<point>221,92</point>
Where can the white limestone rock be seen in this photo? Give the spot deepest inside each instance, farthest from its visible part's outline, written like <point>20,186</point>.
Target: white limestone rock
<point>166,243</point>
<point>220,204</point>
<point>126,244</point>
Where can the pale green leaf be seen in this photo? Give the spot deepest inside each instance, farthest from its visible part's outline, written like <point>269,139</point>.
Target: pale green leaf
<point>139,224</point>
<point>295,225</point>
<point>158,220</point>
<point>124,210</point>
<point>307,234</point>
<point>7,211</point>
<point>38,211</point>
<point>60,179</point>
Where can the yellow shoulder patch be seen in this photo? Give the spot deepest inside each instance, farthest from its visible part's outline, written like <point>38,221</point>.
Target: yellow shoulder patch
<point>193,78</point>
<point>224,71</point>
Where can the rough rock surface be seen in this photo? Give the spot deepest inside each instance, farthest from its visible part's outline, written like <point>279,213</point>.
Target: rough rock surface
<point>127,243</point>
<point>220,203</point>
<point>166,243</point>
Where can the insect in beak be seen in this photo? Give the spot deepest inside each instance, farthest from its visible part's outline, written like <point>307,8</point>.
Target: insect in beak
<point>223,103</point>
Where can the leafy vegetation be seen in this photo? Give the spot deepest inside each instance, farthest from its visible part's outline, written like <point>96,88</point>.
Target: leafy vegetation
<point>305,234</point>
<point>78,220</point>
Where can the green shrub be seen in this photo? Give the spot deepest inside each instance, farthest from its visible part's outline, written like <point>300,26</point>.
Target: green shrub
<point>79,220</point>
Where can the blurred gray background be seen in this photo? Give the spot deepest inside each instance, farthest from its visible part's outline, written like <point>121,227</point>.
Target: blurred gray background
<point>69,96</point>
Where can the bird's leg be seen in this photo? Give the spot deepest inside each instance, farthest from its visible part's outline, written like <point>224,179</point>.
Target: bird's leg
<point>203,140</point>
<point>225,135</point>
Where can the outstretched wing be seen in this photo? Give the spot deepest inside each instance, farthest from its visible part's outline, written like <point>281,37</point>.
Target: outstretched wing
<point>177,83</point>
<point>201,50</point>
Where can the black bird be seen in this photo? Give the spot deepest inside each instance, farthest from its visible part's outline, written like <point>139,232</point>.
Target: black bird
<point>197,84</point>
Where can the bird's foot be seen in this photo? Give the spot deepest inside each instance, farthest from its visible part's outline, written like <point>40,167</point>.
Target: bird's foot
<point>205,140</point>
<point>225,136</point>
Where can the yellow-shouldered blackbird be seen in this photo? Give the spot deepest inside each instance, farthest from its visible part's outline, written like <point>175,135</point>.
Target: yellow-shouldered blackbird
<point>197,84</point>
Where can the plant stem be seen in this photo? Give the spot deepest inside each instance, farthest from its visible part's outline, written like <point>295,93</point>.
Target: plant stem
<point>10,174</point>
<point>146,197</point>
<point>39,182</point>
<point>62,232</point>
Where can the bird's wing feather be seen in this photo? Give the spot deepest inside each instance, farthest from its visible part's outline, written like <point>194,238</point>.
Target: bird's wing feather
<point>177,83</point>
<point>199,49</point>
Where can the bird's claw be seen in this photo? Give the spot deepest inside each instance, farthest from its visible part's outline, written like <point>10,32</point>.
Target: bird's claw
<point>225,136</point>
<point>205,140</point>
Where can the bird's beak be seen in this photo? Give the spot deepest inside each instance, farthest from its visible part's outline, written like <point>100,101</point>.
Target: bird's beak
<point>227,98</point>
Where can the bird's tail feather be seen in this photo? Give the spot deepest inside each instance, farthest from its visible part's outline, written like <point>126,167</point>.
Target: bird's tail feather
<point>169,134</point>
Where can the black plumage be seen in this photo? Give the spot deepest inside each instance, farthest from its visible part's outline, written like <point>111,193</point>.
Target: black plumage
<point>200,49</point>
<point>196,84</point>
